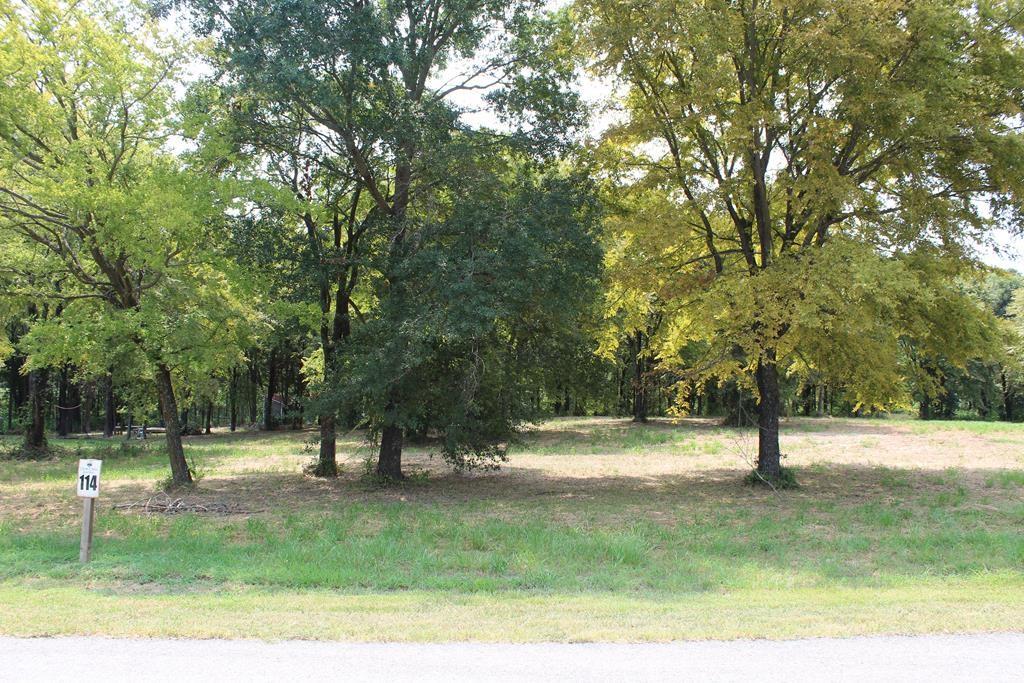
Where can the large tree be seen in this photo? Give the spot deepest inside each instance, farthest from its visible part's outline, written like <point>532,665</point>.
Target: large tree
<point>503,275</point>
<point>120,232</point>
<point>302,223</point>
<point>810,146</point>
<point>372,85</point>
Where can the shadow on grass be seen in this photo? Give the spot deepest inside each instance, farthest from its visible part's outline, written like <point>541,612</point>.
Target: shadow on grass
<point>667,498</point>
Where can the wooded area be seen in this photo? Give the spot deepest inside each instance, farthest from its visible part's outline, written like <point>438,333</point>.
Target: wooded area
<point>411,218</point>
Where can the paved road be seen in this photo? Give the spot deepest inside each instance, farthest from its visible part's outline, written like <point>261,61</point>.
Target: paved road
<point>924,658</point>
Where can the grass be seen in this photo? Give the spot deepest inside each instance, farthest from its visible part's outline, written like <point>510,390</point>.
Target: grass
<point>972,426</point>
<point>1006,479</point>
<point>517,617</point>
<point>386,547</point>
<point>596,530</point>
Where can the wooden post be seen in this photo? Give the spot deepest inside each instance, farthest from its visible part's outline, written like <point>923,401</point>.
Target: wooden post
<point>88,511</point>
<point>88,490</point>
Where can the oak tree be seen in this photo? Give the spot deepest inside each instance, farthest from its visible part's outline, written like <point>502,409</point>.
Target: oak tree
<point>812,145</point>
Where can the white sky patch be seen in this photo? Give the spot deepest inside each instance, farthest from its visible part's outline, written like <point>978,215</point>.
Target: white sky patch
<point>1007,253</point>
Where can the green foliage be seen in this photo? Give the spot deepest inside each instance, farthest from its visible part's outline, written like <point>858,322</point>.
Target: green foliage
<point>786,480</point>
<point>440,249</point>
<point>504,267</point>
<point>794,185</point>
<point>115,240</point>
<point>799,183</point>
<point>104,222</point>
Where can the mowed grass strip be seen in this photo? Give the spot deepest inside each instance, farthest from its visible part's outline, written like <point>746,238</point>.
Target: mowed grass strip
<point>45,609</point>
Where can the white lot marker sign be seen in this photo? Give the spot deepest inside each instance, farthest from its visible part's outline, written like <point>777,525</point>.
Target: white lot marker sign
<point>88,491</point>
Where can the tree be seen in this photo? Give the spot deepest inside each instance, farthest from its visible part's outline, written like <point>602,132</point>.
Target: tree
<point>507,262</point>
<point>118,227</point>
<point>371,84</point>
<point>812,144</point>
<point>19,312</point>
<point>309,218</point>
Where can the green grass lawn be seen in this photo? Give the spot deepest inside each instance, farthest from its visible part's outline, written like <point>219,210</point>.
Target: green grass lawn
<point>595,530</point>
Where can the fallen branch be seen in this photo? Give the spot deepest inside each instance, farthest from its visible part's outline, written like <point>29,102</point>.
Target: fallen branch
<point>164,504</point>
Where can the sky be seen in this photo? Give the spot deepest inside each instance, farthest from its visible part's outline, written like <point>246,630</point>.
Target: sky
<point>1011,251</point>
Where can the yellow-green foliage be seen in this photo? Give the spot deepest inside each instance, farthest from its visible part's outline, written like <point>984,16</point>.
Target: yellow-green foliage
<point>100,220</point>
<point>800,182</point>
<point>843,312</point>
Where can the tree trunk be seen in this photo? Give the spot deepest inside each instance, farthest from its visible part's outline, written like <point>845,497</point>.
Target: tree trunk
<point>639,381</point>
<point>925,409</point>
<point>233,400</point>
<point>88,395</point>
<point>63,407</point>
<point>35,430</point>
<point>327,464</point>
<point>1007,398</point>
<point>769,455</point>
<point>299,416</point>
<point>208,418</point>
<point>16,389</point>
<point>109,411</point>
<point>269,423</point>
<point>11,378</point>
<point>180,474</point>
<point>252,392</point>
<point>389,461</point>
<point>75,418</point>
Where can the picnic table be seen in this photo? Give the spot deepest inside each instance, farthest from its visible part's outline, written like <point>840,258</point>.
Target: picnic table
<point>143,431</point>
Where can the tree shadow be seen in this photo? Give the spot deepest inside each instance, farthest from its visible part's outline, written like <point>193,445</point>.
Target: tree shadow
<point>658,496</point>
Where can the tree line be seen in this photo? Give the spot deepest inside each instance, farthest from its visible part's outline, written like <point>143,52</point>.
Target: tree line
<point>396,217</point>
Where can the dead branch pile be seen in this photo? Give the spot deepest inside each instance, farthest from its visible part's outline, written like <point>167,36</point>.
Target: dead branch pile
<point>165,504</point>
